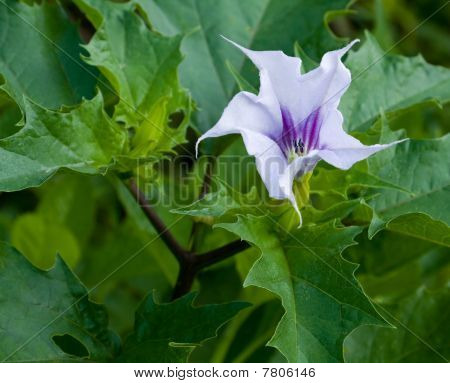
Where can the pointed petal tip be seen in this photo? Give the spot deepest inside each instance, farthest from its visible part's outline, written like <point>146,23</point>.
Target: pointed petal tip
<point>200,139</point>
<point>349,46</point>
<point>297,210</point>
<point>389,144</point>
<point>196,149</point>
<point>231,42</point>
<point>300,224</point>
<point>354,42</point>
<point>402,140</point>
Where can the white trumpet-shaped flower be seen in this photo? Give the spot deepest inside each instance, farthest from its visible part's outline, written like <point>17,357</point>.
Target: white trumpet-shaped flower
<point>294,121</point>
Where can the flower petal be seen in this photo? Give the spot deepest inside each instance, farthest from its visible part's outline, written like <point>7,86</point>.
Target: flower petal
<point>300,166</point>
<point>306,98</point>
<point>339,148</point>
<point>282,71</point>
<point>246,111</point>
<point>323,87</point>
<point>270,161</point>
<point>345,158</point>
<point>319,93</point>
<point>332,135</point>
<point>247,115</point>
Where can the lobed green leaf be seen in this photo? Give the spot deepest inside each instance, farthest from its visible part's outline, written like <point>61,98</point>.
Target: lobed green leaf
<point>159,338</point>
<point>40,56</point>
<point>323,302</point>
<point>46,305</point>
<point>83,139</point>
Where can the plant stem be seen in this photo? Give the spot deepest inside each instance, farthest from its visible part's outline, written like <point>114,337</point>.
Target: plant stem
<point>159,225</point>
<point>186,276</point>
<point>189,270</point>
<point>190,263</point>
<point>222,253</point>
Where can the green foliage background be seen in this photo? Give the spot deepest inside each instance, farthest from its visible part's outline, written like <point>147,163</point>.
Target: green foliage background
<point>94,93</point>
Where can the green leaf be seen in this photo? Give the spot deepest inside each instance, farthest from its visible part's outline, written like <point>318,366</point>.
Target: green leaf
<point>421,335</point>
<point>123,265</point>
<point>10,115</point>
<point>248,342</point>
<point>213,204</point>
<point>385,277</point>
<point>322,300</point>
<point>61,200</point>
<point>383,29</point>
<point>40,241</point>
<point>339,210</point>
<point>141,66</point>
<point>421,226</point>
<point>308,63</point>
<point>40,56</point>
<point>58,225</point>
<point>127,253</point>
<point>256,24</point>
<point>241,82</point>
<point>165,263</point>
<point>421,167</point>
<point>160,338</point>
<point>40,306</point>
<point>388,83</point>
<point>339,182</point>
<point>375,255</point>
<point>83,139</point>
<point>220,202</point>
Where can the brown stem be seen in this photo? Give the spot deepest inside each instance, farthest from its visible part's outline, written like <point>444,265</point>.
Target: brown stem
<point>220,254</point>
<point>190,263</point>
<point>159,225</point>
<point>189,270</point>
<point>186,276</point>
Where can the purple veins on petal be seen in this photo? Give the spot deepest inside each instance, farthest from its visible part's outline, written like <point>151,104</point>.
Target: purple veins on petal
<point>310,130</point>
<point>286,112</point>
<point>302,137</point>
<point>289,135</point>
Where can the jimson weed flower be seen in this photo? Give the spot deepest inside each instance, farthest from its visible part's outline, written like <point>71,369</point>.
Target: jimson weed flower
<point>294,121</point>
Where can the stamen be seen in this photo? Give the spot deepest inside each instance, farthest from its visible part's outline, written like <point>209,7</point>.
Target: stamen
<point>299,147</point>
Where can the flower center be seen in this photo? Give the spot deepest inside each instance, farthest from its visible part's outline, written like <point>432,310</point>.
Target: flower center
<point>296,149</point>
<point>299,147</point>
<point>299,138</point>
